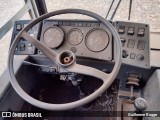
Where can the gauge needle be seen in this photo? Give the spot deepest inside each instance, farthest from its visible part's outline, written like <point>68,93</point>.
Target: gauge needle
<point>74,37</point>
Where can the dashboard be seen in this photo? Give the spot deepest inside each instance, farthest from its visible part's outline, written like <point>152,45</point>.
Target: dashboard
<point>89,39</point>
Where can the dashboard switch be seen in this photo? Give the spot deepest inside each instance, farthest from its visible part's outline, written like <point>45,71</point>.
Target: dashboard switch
<point>29,47</point>
<point>141,45</point>
<point>18,26</point>
<point>22,47</point>
<point>132,56</point>
<point>121,29</point>
<point>124,54</point>
<point>131,43</point>
<point>123,42</point>
<point>141,32</point>
<point>140,57</point>
<point>130,31</point>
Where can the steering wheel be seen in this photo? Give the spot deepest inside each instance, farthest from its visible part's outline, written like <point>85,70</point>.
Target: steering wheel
<point>67,61</point>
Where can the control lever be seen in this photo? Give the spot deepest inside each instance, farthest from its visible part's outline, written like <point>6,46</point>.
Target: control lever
<point>132,81</point>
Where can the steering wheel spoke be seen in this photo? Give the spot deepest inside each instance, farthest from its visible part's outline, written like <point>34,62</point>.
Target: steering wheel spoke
<point>85,70</point>
<point>42,47</point>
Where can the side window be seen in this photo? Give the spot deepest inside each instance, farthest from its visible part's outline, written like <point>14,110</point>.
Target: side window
<point>8,10</point>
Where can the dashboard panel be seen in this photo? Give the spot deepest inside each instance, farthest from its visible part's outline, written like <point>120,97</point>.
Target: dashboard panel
<point>135,43</point>
<point>90,39</point>
<point>24,47</point>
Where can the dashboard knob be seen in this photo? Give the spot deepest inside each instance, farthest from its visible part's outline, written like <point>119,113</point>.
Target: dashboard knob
<point>140,104</point>
<point>140,57</point>
<point>124,54</point>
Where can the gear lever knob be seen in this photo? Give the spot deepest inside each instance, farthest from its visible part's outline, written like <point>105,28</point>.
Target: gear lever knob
<point>140,104</point>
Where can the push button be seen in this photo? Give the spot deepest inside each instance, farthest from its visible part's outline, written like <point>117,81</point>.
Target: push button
<point>141,45</point>
<point>132,56</point>
<point>131,43</point>
<point>141,32</point>
<point>121,29</point>
<point>18,26</point>
<point>130,31</point>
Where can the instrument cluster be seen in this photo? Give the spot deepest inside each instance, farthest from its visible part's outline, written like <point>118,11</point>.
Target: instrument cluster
<point>89,39</point>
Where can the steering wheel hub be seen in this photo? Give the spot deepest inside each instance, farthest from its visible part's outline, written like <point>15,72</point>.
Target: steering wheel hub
<point>66,58</point>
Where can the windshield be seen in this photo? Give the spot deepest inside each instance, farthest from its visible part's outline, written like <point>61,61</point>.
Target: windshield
<point>143,11</point>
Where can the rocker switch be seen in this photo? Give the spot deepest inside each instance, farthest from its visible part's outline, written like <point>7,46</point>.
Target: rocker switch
<point>121,29</point>
<point>141,32</point>
<point>130,31</point>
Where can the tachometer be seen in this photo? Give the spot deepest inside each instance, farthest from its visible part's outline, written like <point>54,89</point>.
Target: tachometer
<point>53,37</point>
<point>97,40</point>
<point>75,36</point>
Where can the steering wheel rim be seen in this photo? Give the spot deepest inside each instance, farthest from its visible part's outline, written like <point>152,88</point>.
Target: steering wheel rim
<point>91,97</point>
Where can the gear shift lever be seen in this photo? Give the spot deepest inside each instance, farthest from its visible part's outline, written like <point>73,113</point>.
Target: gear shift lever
<point>140,104</point>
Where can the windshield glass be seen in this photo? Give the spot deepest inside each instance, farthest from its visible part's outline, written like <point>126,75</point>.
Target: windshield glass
<point>143,11</point>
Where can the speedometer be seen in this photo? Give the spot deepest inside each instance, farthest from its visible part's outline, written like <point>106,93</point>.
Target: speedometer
<point>53,37</point>
<point>97,40</point>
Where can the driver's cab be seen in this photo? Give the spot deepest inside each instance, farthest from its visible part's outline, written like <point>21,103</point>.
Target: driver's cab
<point>80,62</point>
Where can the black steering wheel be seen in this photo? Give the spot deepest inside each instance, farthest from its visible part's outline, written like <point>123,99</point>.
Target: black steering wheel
<point>67,61</point>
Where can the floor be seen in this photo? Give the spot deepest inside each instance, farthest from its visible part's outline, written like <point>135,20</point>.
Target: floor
<point>143,11</point>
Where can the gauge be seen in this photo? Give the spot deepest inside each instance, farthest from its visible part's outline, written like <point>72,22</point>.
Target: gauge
<point>53,37</point>
<point>75,36</point>
<point>97,40</point>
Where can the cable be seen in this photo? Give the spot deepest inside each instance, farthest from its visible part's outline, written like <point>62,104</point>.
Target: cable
<point>109,9</point>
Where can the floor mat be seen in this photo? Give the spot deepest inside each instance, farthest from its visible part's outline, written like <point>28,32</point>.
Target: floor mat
<point>56,91</point>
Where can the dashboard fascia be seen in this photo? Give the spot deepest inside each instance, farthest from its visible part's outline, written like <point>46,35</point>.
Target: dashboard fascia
<point>81,50</point>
